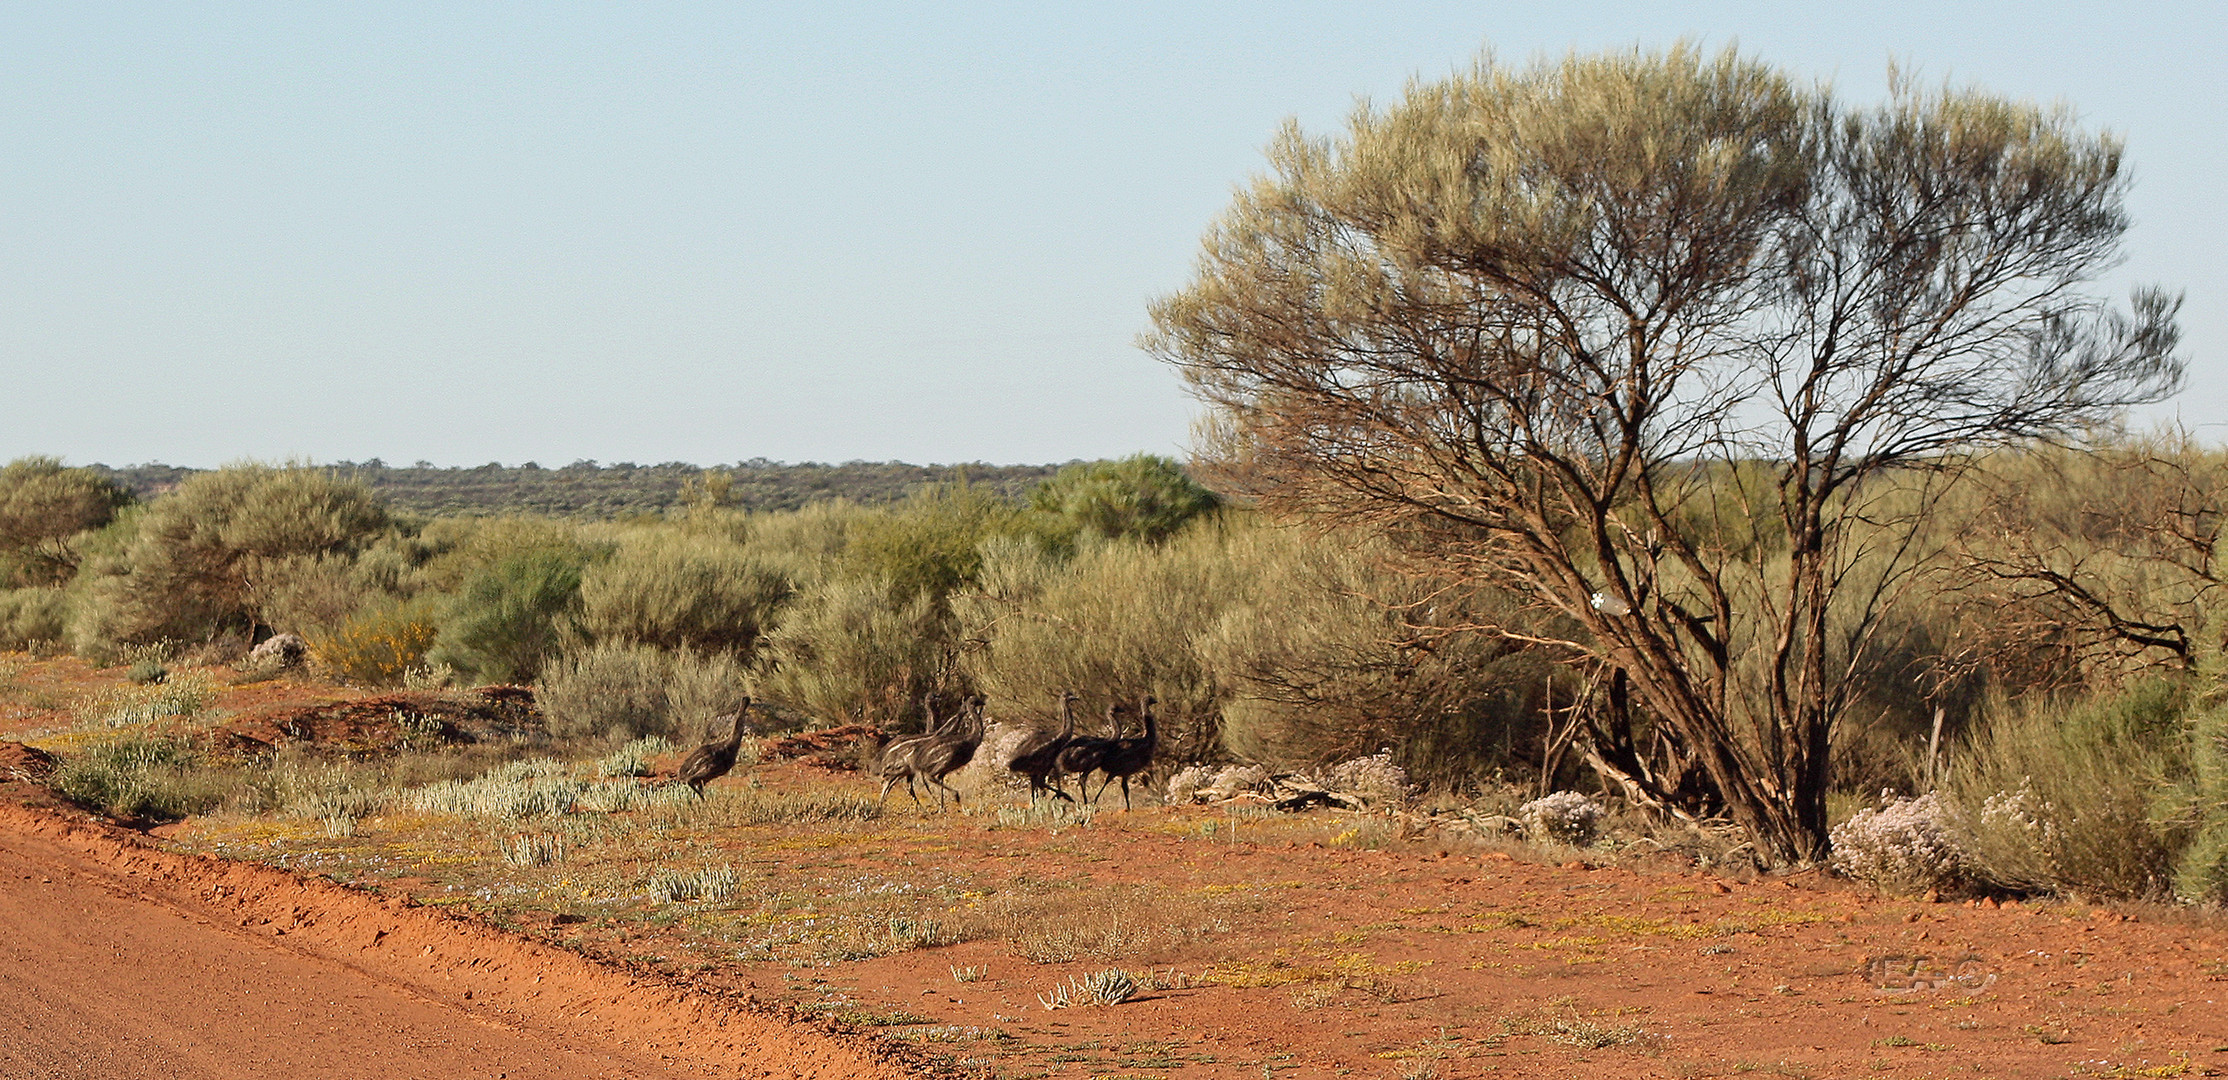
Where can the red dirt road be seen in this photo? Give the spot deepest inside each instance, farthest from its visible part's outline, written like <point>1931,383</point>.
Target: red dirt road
<point>122,963</point>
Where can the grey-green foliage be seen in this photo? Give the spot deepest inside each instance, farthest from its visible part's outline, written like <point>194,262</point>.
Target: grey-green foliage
<point>931,544</point>
<point>682,590</point>
<point>1144,496</point>
<point>43,506</point>
<point>1331,653</point>
<point>447,552</point>
<point>539,787</point>
<point>857,649</point>
<point>138,777</point>
<point>190,566</point>
<point>2061,795</point>
<point>2198,806</point>
<point>1502,315</point>
<point>622,689</point>
<point>1274,644</point>
<point>313,595</point>
<point>32,616</point>
<point>1116,621</point>
<point>510,616</point>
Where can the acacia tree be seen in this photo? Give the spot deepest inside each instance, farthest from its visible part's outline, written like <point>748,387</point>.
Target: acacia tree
<point>42,506</point>
<point>1646,337</point>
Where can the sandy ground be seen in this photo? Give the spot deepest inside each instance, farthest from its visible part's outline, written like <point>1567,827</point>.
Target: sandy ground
<point>121,962</point>
<point>126,955</point>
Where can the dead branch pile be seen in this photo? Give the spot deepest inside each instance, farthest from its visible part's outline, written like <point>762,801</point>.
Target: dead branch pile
<point>837,748</point>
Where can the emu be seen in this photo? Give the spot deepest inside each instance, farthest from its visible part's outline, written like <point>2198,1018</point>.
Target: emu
<point>712,760</point>
<point>952,750</point>
<point>1085,753</point>
<point>1038,756</point>
<point>1128,757</point>
<point>932,757</point>
<point>893,761</point>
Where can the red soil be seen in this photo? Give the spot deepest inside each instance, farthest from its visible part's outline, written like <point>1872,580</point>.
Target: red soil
<point>125,961</point>
<point>1424,959</point>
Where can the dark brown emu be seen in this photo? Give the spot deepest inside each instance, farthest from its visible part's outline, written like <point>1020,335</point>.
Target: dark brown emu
<point>1038,756</point>
<point>1084,753</point>
<point>1129,757</point>
<point>712,760</point>
<point>930,758</point>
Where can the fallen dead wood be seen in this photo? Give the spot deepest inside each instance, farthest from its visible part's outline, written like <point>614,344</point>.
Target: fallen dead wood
<point>837,748</point>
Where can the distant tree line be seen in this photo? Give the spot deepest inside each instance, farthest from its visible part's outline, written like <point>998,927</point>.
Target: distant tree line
<point>586,490</point>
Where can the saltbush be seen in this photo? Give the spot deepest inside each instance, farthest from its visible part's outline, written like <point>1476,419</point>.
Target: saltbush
<point>32,617</point>
<point>686,591</point>
<point>142,777</point>
<point>931,544</point>
<point>613,689</point>
<point>2058,795</point>
<point>857,650</point>
<point>188,567</point>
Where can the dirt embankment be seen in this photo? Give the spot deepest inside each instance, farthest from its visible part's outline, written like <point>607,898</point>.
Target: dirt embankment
<point>122,960</point>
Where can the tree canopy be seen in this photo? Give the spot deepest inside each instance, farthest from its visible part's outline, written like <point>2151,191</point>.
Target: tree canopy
<point>1589,328</point>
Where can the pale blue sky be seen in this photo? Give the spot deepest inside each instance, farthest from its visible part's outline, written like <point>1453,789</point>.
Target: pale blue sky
<point>653,232</point>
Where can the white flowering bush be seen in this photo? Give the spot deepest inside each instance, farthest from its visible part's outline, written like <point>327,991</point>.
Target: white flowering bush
<point>1564,816</point>
<point>1905,845</point>
<point>1374,778</point>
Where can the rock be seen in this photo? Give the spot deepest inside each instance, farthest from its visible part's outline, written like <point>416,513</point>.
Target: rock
<point>285,650</point>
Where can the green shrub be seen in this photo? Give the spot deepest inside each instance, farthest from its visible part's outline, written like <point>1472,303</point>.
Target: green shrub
<point>1144,497</point>
<point>2058,795</point>
<point>43,506</point>
<point>805,544</point>
<point>931,544</point>
<point>315,596</point>
<point>1272,644</point>
<point>511,615</point>
<point>618,689</point>
<point>149,778</point>
<point>1117,621</point>
<point>682,591</point>
<point>29,617</point>
<point>2199,805</point>
<point>1323,660</point>
<point>448,552</point>
<point>188,568</point>
<point>379,647</point>
<point>857,650</point>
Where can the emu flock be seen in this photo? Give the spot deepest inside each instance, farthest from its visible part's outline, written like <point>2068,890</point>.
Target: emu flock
<point>1045,758</point>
